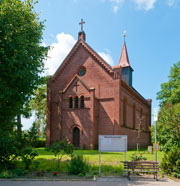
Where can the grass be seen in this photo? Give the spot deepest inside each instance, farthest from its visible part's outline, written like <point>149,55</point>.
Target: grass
<point>110,162</point>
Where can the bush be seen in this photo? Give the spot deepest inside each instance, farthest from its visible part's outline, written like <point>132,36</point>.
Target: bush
<point>61,148</point>
<point>27,156</point>
<point>39,143</point>
<point>10,147</point>
<point>168,128</point>
<point>171,162</point>
<point>137,156</point>
<point>18,172</point>
<point>78,165</point>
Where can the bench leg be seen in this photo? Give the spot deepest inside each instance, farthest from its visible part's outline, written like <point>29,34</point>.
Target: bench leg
<point>129,175</point>
<point>156,177</point>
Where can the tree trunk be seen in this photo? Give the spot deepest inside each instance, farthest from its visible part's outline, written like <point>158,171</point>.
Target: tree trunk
<point>19,125</point>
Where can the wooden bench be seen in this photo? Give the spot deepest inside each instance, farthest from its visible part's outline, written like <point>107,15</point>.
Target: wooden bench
<point>141,167</point>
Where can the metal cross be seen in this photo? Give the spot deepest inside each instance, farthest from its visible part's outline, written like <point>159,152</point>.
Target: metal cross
<point>76,85</point>
<point>81,23</point>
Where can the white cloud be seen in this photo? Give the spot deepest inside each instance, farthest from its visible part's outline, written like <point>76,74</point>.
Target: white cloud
<point>145,4</point>
<point>172,2</point>
<point>117,1</point>
<point>58,52</point>
<point>140,4</point>
<point>115,9</point>
<point>116,4</point>
<point>107,58</point>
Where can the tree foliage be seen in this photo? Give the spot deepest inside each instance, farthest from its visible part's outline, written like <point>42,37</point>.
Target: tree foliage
<point>168,127</point>
<point>61,148</point>
<point>21,57</point>
<point>38,104</point>
<point>171,163</point>
<point>170,91</point>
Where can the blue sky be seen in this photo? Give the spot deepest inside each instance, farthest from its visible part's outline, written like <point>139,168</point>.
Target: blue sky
<point>152,29</point>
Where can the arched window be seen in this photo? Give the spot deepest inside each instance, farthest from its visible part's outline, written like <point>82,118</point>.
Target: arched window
<point>134,116</point>
<point>82,101</point>
<point>70,102</point>
<point>124,111</point>
<point>76,102</point>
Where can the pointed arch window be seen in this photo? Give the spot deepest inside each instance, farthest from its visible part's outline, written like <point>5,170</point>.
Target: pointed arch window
<point>76,102</point>
<point>82,101</point>
<point>124,111</point>
<point>70,102</point>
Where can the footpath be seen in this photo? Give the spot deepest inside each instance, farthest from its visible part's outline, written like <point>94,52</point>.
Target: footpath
<point>102,181</point>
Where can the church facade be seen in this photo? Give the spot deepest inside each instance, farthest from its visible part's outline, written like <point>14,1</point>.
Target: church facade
<point>87,97</point>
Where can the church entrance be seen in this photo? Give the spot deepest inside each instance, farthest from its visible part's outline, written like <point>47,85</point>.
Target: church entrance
<point>76,137</point>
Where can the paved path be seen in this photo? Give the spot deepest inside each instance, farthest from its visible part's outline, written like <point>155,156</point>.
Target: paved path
<point>99,182</point>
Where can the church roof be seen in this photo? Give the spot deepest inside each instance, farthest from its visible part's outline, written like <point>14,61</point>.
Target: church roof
<point>124,59</point>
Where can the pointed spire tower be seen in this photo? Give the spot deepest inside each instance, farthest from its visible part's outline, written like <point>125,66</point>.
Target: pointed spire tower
<point>125,64</point>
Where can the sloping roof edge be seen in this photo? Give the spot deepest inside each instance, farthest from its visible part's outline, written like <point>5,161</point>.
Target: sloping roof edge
<point>79,43</point>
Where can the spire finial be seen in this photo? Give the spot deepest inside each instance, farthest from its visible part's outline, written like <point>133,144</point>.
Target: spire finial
<point>81,23</point>
<point>124,34</point>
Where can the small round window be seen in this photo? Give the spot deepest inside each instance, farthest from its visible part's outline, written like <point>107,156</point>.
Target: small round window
<point>82,72</point>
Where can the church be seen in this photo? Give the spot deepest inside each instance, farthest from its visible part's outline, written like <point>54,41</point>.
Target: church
<point>87,97</point>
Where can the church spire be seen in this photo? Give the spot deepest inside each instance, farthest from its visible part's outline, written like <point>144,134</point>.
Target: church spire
<point>124,59</point>
<point>127,70</point>
<point>81,34</point>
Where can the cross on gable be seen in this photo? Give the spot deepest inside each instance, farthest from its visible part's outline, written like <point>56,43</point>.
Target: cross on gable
<point>81,23</point>
<point>76,85</point>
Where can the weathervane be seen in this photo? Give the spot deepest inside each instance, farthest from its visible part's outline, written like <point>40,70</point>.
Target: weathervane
<point>81,23</point>
<point>124,34</point>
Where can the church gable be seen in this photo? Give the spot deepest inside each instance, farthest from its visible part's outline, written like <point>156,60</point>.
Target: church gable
<point>76,86</point>
<point>78,57</point>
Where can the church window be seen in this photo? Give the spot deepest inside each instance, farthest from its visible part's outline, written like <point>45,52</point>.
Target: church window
<point>76,102</point>
<point>134,116</point>
<point>70,102</point>
<point>124,112</point>
<point>82,101</point>
<point>82,72</point>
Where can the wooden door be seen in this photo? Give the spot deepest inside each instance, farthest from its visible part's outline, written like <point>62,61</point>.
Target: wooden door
<point>76,136</point>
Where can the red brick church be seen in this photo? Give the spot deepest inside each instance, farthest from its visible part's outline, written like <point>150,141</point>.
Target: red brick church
<point>87,97</point>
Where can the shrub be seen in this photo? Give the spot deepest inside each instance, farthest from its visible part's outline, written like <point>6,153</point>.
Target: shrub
<point>6,174</point>
<point>171,162</point>
<point>10,146</point>
<point>27,156</point>
<point>168,128</point>
<point>40,173</point>
<point>137,156</point>
<point>78,165</point>
<point>59,149</point>
<point>18,172</point>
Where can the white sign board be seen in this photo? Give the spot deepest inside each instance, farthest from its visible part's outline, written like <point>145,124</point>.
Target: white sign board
<point>112,143</point>
<point>155,114</point>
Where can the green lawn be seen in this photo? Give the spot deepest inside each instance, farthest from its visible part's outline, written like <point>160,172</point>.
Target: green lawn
<point>111,162</point>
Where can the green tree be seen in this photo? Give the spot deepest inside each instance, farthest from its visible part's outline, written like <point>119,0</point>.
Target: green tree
<point>168,128</point>
<point>21,57</point>
<point>60,149</point>
<point>21,63</point>
<point>38,104</point>
<point>170,91</point>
